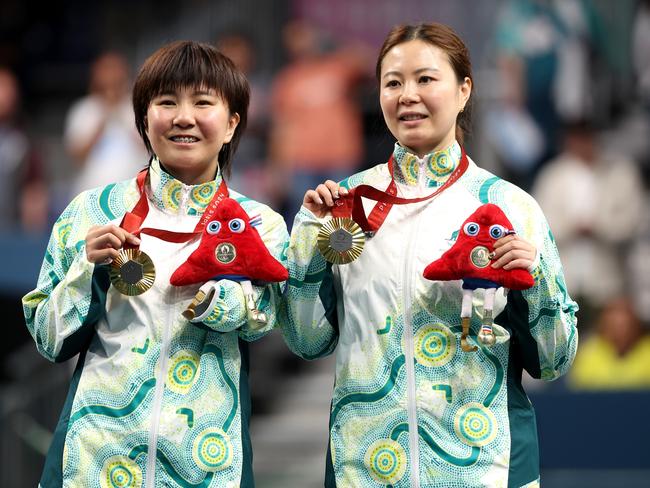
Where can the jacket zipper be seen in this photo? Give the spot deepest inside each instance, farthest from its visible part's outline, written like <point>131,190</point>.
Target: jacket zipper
<point>409,354</point>
<point>157,403</point>
<point>161,375</point>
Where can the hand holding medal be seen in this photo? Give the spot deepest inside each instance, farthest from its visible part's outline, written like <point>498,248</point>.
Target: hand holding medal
<point>103,243</point>
<point>132,272</point>
<point>340,240</point>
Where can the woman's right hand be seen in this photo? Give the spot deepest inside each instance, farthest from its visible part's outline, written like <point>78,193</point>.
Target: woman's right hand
<point>321,200</point>
<point>103,243</point>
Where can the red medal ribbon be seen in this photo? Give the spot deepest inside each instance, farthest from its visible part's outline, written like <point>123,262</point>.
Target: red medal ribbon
<point>351,204</point>
<point>132,220</point>
<point>343,205</point>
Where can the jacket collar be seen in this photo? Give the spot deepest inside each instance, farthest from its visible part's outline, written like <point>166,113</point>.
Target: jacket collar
<point>431,171</point>
<point>173,196</point>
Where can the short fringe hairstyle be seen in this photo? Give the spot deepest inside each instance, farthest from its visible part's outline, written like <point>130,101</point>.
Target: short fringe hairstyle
<point>192,64</point>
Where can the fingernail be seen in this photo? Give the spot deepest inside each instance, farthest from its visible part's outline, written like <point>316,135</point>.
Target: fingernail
<point>320,201</point>
<point>344,190</point>
<point>336,194</point>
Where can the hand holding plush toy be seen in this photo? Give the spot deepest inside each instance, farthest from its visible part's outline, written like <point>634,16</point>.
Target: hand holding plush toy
<point>230,248</point>
<point>470,259</point>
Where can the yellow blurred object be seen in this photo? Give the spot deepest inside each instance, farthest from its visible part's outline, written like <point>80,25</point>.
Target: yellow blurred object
<point>598,366</point>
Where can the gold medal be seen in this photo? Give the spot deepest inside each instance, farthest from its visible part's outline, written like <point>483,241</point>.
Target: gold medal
<point>341,240</point>
<point>132,272</point>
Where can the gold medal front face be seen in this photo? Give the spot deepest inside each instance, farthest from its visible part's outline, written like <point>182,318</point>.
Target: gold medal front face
<point>480,256</point>
<point>132,272</point>
<point>341,240</point>
<point>225,253</point>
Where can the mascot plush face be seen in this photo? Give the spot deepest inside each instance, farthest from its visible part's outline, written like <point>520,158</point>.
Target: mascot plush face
<point>471,255</point>
<point>230,248</point>
<point>485,226</point>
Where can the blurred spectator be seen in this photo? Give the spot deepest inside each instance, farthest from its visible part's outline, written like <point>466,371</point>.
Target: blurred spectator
<point>638,267</point>
<point>617,356</point>
<point>543,61</point>
<point>641,60</point>
<point>613,81</point>
<point>100,132</point>
<point>23,194</point>
<point>250,169</point>
<point>592,201</point>
<point>641,48</point>
<point>316,131</point>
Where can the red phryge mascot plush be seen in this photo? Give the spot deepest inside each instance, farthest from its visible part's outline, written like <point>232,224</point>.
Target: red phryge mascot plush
<point>470,259</point>
<point>230,248</point>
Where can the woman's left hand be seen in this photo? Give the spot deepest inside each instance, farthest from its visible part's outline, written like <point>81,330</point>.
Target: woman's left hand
<point>512,252</point>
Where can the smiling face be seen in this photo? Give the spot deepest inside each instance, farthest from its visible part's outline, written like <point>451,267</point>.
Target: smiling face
<point>421,96</point>
<point>186,129</point>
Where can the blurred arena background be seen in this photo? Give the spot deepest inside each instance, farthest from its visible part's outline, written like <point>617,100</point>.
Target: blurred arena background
<point>562,109</point>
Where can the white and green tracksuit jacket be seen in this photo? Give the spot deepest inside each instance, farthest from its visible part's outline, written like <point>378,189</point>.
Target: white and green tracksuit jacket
<point>410,408</point>
<point>155,401</point>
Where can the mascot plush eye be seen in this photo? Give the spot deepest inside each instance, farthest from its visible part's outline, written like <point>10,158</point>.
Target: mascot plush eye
<point>471,228</point>
<point>214,227</point>
<point>497,231</point>
<point>236,225</point>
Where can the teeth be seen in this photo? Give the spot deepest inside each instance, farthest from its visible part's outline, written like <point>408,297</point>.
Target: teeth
<point>412,117</point>
<point>184,139</point>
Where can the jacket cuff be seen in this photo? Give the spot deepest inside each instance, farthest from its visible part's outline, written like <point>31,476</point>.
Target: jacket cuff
<point>204,308</point>
<point>535,262</point>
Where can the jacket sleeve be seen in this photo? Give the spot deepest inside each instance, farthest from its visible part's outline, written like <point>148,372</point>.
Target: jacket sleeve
<point>70,294</point>
<point>543,318</point>
<point>309,318</point>
<point>227,309</point>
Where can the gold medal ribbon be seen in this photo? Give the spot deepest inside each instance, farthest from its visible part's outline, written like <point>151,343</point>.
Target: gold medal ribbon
<point>386,199</point>
<point>133,272</point>
<point>342,239</point>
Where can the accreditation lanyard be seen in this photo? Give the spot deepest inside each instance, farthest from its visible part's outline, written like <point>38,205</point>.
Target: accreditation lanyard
<point>351,204</point>
<point>132,221</point>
